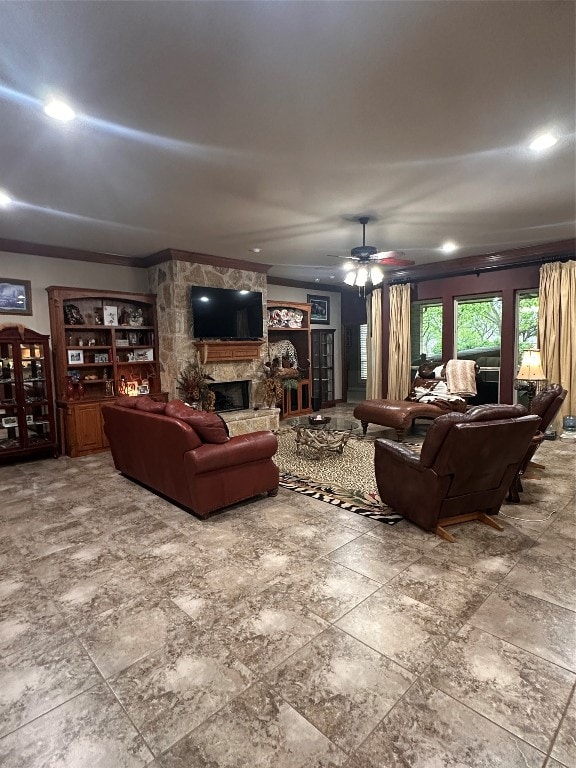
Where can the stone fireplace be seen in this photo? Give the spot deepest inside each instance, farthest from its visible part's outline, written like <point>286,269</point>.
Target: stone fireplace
<point>170,275</point>
<point>231,395</point>
<point>170,278</point>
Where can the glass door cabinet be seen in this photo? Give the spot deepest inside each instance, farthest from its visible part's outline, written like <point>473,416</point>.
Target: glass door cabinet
<point>323,369</point>
<point>26,405</point>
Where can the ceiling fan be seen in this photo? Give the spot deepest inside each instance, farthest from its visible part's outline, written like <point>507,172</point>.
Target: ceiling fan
<point>365,262</point>
<point>369,253</point>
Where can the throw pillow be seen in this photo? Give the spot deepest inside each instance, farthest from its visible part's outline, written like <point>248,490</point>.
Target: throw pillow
<point>145,403</point>
<point>210,426</point>
<point>126,401</point>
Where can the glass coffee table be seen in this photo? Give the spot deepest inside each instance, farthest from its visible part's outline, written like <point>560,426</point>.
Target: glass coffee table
<point>323,436</point>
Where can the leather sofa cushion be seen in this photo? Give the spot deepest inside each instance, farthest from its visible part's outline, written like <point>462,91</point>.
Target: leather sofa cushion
<point>209,426</point>
<point>145,403</point>
<point>242,449</point>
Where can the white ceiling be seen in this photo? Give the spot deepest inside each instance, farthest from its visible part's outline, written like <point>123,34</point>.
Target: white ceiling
<point>218,127</point>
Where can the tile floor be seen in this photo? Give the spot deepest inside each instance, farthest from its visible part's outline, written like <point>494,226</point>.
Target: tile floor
<point>281,632</point>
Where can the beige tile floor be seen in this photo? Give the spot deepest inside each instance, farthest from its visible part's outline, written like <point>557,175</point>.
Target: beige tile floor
<point>281,632</point>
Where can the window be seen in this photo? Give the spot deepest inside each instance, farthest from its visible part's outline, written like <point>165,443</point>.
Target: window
<point>478,329</point>
<point>425,332</point>
<point>526,334</point>
<point>526,322</point>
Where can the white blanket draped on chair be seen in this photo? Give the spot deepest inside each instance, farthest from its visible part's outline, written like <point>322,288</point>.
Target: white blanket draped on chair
<point>461,377</point>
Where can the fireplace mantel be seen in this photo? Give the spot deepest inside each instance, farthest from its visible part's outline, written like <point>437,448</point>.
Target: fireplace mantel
<point>214,351</point>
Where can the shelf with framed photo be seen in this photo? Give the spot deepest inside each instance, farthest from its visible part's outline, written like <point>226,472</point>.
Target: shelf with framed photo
<point>289,349</point>
<point>105,345</point>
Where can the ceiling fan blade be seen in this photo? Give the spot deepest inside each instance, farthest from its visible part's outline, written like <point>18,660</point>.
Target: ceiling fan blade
<point>394,261</point>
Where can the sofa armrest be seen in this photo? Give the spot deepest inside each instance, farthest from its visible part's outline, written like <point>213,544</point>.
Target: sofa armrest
<point>242,449</point>
<point>389,449</point>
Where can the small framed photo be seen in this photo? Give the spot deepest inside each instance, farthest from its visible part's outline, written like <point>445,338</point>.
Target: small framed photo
<point>142,355</point>
<point>75,357</point>
<point>133,339</point>
<point>110,315</point>
<point>15,297</point>
<point>319,309</point>
<point>10,421</point>
<point>143,389</point>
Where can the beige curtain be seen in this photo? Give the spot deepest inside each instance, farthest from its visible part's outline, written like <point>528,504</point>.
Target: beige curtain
<point>374,345</point>
<point>557,330</point>
<point>399,373</point>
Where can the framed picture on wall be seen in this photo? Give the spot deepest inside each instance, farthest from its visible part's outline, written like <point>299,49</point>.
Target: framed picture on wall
<point>15,297</point>
<point>319,309</point>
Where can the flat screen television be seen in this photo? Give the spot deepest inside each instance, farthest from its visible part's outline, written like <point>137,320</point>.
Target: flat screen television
<point>226,313</point>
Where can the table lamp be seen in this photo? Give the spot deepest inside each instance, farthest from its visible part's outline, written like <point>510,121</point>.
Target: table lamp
<point>530,377</point>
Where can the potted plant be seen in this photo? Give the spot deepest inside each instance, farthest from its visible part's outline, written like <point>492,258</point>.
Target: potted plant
<point>193,386</point>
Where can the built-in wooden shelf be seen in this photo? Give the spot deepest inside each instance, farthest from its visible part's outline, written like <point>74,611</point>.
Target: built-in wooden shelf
<point>214,351</point>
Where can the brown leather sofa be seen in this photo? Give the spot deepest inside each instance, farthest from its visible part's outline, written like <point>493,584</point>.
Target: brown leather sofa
<point>187,455</point>
<point>466,465</point>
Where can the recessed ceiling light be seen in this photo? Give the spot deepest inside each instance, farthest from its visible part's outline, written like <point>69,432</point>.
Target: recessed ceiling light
<point>332,277</point>
<point>449,246</point>
<point>59,110</point>
<point>5,199</point>
<point>544,141</point>
<point>255,250</point>
<point>316,279</point>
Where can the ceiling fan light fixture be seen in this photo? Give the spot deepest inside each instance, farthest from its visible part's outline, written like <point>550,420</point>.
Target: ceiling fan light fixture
<point>350,278</point>
<point>362,275</point>
<point>376,274</point>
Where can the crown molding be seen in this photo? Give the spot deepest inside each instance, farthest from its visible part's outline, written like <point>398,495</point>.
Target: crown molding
<point>171,254</point>
<point>515,257</point>
<point>288,283</point>
<point>60,252</point>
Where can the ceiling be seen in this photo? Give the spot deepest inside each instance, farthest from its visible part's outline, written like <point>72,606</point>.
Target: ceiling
<point>220,127</point>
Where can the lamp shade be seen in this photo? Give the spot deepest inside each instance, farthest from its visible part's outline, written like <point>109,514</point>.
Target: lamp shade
<point>531,366</point>
<point>363,273</point>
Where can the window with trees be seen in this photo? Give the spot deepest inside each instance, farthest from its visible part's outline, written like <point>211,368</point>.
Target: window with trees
<point>478,330</point>
<point>425,332</point>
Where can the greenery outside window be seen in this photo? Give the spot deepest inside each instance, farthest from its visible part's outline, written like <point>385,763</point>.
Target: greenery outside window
<point>425,332</point>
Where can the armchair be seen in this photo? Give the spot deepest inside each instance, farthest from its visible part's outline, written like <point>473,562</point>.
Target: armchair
<point>466,465</point>
<point>546,404</point>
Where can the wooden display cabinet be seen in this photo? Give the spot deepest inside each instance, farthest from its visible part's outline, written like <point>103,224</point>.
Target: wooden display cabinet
<point>323,369</point>
<point>290,321</point>
<point>26,403</point>
<point>105,344</point>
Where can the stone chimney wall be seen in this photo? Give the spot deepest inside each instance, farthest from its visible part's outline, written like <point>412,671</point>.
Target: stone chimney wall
<point>171,281</point>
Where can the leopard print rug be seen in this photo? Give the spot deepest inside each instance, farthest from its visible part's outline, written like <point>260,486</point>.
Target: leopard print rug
<point>344,480</point>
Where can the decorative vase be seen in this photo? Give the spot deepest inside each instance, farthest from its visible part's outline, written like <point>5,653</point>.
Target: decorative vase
<point>80,389</point>
<point>69,388</point>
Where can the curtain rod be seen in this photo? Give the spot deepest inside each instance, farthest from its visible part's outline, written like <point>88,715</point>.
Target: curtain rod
<point>488,268</point>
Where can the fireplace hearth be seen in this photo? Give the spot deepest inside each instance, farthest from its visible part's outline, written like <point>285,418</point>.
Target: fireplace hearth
<point>231,395</point>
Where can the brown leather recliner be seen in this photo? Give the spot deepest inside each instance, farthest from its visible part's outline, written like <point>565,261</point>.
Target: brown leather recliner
<point>464,470</point>
<point>546,404</point>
